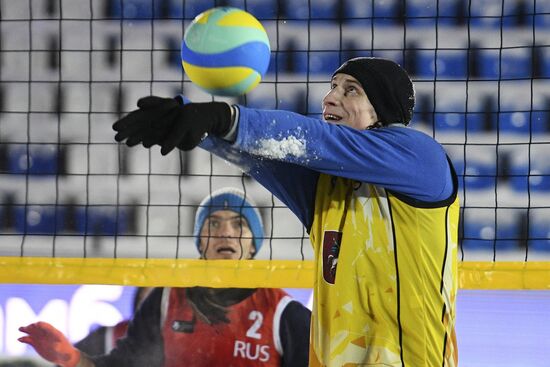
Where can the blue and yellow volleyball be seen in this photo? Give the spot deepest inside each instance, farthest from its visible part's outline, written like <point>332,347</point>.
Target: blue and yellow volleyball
<point>225,51</point>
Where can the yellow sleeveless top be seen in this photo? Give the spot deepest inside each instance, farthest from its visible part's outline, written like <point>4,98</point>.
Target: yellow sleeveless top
<point>386,278</point>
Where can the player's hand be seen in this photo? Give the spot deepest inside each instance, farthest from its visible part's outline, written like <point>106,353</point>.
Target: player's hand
<point>51,344</point>
<point>168,123</point>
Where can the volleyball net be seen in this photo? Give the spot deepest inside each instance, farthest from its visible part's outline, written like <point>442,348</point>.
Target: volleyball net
<point>78,208</point>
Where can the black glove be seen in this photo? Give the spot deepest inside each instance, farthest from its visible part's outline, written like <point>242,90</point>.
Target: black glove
<point>168,123</point>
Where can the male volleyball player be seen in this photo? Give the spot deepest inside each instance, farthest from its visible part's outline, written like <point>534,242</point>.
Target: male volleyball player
<point>378,199</point>
<point>203,326</point>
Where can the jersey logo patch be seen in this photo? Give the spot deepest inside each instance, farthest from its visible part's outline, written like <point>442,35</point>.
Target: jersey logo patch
<point>331,250</point>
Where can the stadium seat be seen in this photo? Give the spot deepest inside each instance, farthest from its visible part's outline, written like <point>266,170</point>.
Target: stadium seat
<point>449,121</point>
<point>542,14</point>
<point>33,159</point>
<point>475,175</point>
<point>531,170</point>
<point>191,8</point>
<point>288,60</point>
<point>357,12</point>
<point>459,122</point>
<point>450,64</point>
<point>38,219</point>
<point>533,176</point>
<point>522,122</point>
<point>541,61</point>
<point>303,62</point>
<point>173,58</point>
<point>306,9</point>
<point>431,12</point>
<point>486,234</point>
<point>487,13</point>
<point>386,12</point>
<point>504,64</point>
<point>381,12</point>
<point>99,220</point>
<point>323,62</point>
<point>539,234</point>
<point>261,9</point>
<point>540,120</point>
<point>135,9</point>
<point>285,100</point>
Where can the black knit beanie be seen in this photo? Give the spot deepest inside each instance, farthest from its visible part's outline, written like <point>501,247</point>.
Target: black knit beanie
<point>388,86</point>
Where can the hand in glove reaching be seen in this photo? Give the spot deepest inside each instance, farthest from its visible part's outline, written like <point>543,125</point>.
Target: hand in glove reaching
<point>169,123</point>
<point>51,344</point>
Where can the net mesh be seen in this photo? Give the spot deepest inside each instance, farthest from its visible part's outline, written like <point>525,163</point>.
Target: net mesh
<point>77,207</point>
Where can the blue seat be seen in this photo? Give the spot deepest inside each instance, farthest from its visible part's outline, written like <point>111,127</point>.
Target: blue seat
<point>173,58</point>
<point>323,62</point>
<point>539,235</point>
<point>475,122</point>
<point>277,62</point>
<point>311,10</point>
<point>542,14</point>
<point>261,9</point>
<point>358,13</point>
<point>490,13</point>
<point>540,121</point>
<point>522,122</point>
<point>533,176</point>
<point>33,159</point>
<point>450,64</point>
<point>137,9</point>
<point>385,13</point>
<point>99,220</point>
<point>505,64</point>
<point>486,234</point>
<point>290,58</point>
<point>285,101</point>
<point>192,8</point>
<point>475,175</point>
<point>288,61</point>
<point>541,61</point>
<point>38,219</point>
<point>459,122</point>
<point>188,9</point>
<point>431,12</point>
<point>449,121</point>
<point>313,62</point>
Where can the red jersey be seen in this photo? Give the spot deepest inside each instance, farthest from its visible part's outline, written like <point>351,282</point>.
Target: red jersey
<point>250,339</point>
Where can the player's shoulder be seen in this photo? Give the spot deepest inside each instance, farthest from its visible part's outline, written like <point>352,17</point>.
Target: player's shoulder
<point>272,292</point>
<point>400,129</point>
<point>407,134</point>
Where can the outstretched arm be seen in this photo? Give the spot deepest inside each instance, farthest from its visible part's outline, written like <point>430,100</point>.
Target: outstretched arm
<point>170,123</point>
<point>397,158</point>
<point>400,159</point>
<point>53,346</point>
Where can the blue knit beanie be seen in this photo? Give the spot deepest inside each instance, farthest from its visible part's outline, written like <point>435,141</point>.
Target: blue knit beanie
<point>234,200</point>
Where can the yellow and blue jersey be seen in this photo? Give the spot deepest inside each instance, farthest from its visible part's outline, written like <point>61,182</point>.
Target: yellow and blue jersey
<point>381,209</point>
<point>385,278</point>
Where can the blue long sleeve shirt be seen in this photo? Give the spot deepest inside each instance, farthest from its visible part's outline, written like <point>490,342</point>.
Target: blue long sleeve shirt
<point>286,152</point>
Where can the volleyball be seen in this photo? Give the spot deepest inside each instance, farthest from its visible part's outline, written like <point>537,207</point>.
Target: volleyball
<point>225,51</point>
